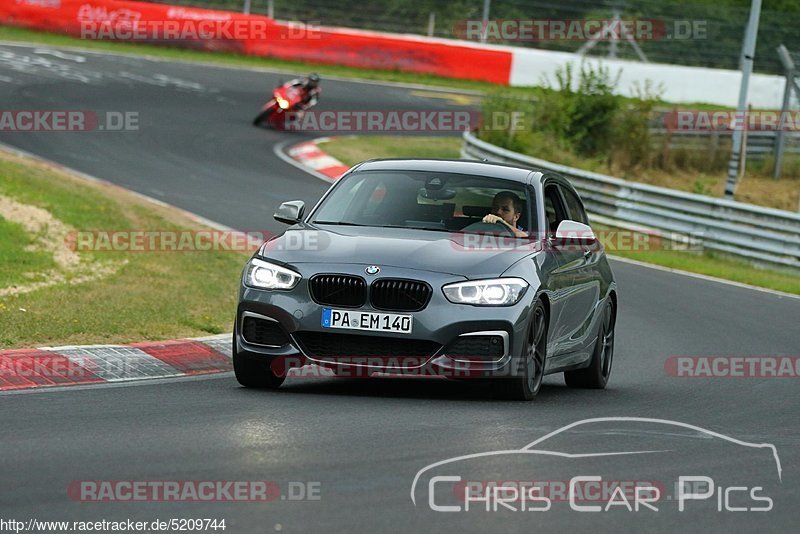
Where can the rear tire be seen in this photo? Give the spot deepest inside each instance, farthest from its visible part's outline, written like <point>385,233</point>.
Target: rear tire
<point>530,373</point>
<point>253,373</point>
<point>597,374</point>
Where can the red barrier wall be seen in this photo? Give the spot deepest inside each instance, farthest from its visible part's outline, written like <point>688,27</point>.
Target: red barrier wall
<point>356,49</point>
<point>329,46</point>
<point>68,16</point>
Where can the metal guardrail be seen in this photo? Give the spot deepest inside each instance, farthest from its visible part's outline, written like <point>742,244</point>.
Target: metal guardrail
<point>760,144</point>
<point>761,235</point>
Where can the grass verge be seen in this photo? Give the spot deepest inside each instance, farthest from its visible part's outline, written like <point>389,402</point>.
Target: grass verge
<point>135,296</point>
<point>351,150</point>
<point>18,261</point>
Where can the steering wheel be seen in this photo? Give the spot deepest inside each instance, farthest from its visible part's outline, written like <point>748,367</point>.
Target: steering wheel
<point>489,228</point>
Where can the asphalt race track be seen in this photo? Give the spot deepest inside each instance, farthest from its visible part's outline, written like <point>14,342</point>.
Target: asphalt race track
<point>364,441</point>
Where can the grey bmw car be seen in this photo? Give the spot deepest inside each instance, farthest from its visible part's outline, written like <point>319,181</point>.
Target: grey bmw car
<point>452,268</point>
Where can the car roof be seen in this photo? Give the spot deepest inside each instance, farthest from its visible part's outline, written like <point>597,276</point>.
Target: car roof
<point>459,166</point>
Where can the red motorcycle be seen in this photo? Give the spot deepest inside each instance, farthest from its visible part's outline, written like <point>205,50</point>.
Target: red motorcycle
<point>285,99</point>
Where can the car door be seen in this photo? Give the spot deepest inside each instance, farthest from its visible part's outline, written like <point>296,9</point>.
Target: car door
<point>586,278</point>
<point>567,303</point>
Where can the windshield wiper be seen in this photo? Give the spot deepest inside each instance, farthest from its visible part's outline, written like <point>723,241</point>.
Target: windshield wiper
<point>339,223</point>
<point>417,228</point>
<point>345,223</point>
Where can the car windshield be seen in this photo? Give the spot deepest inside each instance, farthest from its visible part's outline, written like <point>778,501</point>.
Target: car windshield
<point>425,201</point>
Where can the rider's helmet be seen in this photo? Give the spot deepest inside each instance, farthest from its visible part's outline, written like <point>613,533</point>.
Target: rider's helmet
<point>313,80</point>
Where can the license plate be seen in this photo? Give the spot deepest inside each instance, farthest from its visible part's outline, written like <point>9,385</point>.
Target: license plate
<point>359,320</point>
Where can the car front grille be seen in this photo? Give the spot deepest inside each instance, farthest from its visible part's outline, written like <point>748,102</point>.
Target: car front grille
<point>485,348</point>
<point>263,332</point>
<point>338,290</point>
<point>365,350</point>
<point>399,295</point>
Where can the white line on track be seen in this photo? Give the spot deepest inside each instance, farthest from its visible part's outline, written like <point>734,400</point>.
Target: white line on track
<point>270,70</point>
<point>703,277</point>
<point>59,54</point>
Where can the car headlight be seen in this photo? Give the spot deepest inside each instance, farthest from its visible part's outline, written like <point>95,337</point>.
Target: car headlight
<point>265,275</point>
<point>495,292</point>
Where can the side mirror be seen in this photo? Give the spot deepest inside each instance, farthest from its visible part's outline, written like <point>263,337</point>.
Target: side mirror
<point>575,232</point>
<point>290,212</point>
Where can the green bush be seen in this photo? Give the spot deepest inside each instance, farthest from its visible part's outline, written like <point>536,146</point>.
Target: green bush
<point>632,145</point>
<point>580,118</point>
<point>564,118</point>
<point>497,110</point>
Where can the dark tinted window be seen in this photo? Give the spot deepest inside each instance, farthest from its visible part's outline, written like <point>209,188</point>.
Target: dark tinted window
<point>575,207</point>
<point>554,209</point>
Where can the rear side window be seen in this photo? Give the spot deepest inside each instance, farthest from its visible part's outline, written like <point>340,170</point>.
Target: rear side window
<point>575,207</point>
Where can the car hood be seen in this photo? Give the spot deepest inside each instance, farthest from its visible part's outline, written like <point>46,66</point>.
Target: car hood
<point>469,255</point>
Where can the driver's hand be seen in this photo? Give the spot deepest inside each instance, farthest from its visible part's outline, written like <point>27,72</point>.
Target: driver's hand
<point>491,219</point>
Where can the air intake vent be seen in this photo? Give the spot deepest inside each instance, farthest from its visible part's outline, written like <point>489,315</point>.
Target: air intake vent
<point>338,290</point>
<point>399,295</point>
<point>263,332</point>
<point>476,348</point>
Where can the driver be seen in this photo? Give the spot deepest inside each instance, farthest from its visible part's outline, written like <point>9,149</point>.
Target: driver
<point>507,209</point>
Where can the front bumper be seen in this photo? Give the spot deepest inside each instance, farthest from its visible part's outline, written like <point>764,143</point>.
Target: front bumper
<point>441,322</point>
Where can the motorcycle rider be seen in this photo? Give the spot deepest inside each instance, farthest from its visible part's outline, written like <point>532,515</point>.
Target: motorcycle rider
<point>311,89</point>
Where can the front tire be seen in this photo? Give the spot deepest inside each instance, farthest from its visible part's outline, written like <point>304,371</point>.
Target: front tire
<point>596,375</point>
<point>253,373</point>
<point>528,382</point>
<point>261,117</point>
